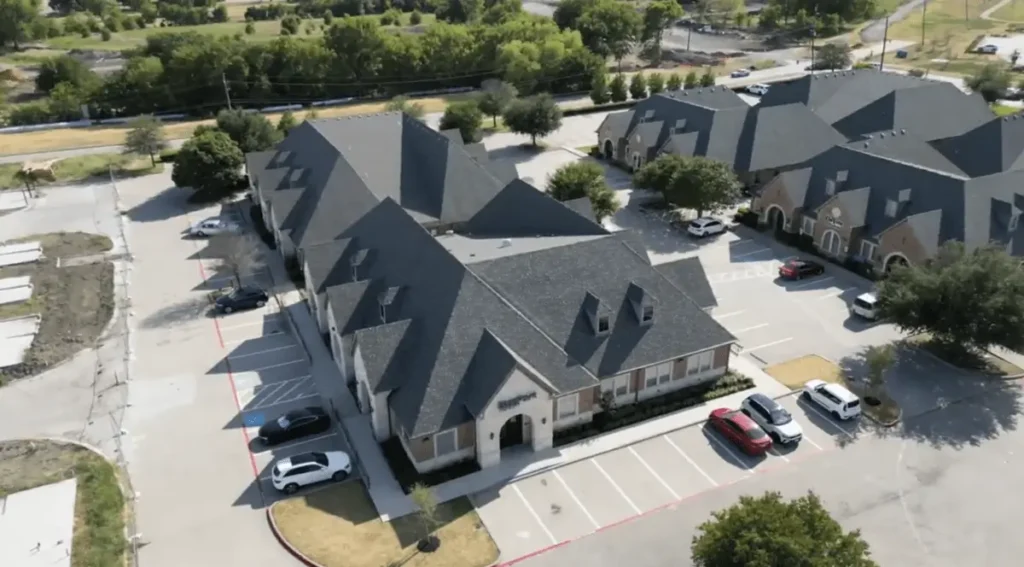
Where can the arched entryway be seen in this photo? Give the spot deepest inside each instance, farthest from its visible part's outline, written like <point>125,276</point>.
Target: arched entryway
<point>831,243</point>
<point>894,259</point>
<point>517,430</point>
<point>776,218</point>
<point>609,150</point>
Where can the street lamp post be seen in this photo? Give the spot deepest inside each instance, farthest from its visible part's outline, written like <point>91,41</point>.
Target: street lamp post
<point>812,48</point>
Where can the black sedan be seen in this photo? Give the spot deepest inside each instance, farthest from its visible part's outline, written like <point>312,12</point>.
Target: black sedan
<point>242,298</point>
<point>294,424</point>
<point>800,269</point>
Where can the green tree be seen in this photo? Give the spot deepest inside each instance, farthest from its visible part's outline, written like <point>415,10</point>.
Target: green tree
<point>328,17</point>
<point>966,300</point>
<point>286,122</point>
<point>568,12</point>
<point>16,18</point>
<point>658,17</point>
<point>403,104</point>
<point>617,88</point>
<point>708,78</point>
<point>638,87</point>
<point>766,531</point>
<point>599,93</point>
<point>609,28</point>
<point>697,183</point>
<point>250,29</point>
<point>65,69</point>
<point>691,80</point>
<point>501,11</point>
<point>584,179</point>
<point>538,115</point>
<point>655,83</point>
<point>675,82</point>
<point>466,117</point>
<point>210,162</point>
<point>426,505</point>
<point>252,132</point>
<point>494,98</point>
<point>833,56</point>
<point>415,18</point>
<point>878,359</point>
<point>459,11</point>
<point>991,81</point>
<point>291,24</point>
<point>66,102</point>
<point>146,137</point>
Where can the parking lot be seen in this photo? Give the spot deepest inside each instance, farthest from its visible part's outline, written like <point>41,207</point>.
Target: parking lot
<point>594,494</point>
<point>268,368</point>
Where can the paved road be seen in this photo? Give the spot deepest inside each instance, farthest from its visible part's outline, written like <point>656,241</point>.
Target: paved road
<point>875,31</point>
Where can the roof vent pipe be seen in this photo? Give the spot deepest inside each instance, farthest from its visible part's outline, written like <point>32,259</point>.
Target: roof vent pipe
<point>505,243</point>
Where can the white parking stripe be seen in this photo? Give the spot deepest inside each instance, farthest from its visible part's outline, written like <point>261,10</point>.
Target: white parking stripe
<point>273,333</point>
<point>533,513</point>
<point>281,395</point>
<point>771,344</point>
<point>278,402</point>
<point>745,254</point>
<point>653,473</point>
<point>689,460</point>
<point>836,293</point>
<point>295,444</point>
<point>776,452</point>
<point>277,383</point>
<point>811,441</point>
<point>810,283</point>
<point>253,324</point>
<point>761,326</point>
<point>616,486</point>
<point>273,366</point>
<point>237,356</point>
<point>572,495</point>
<point>724,315</point>
<point>732,454</point>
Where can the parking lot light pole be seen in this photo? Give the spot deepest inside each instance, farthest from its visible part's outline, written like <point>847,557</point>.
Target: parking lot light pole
<point>812,49</point>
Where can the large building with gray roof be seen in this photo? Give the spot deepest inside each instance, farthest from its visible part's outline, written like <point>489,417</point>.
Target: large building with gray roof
<point>468,310</point>
<point>866,166</point>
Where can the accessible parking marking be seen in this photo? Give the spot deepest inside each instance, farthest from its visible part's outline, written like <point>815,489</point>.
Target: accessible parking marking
<point>269,350</point>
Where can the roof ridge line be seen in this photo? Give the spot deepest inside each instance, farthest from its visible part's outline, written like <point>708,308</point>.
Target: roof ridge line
<point>963,177</point>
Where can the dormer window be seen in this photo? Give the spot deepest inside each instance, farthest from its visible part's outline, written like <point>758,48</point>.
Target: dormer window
<point>383,313</point>
<point>603,325</point>
<point>598,314</point>
<point>642,302</point>
<point>1014,218</point>
<point>648,314</point>
<point>830,187</point>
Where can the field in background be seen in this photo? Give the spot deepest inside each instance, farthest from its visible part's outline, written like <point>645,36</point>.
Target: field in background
<point>947,36</point>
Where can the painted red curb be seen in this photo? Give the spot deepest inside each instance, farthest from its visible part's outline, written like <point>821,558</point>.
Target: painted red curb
<point>287,546</point>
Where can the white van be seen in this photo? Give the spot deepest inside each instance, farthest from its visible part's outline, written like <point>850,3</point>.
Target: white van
<point>866,306</point>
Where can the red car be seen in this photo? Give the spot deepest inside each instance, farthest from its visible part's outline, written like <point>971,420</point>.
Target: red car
<point>799,269</point>
<point>741,430</point>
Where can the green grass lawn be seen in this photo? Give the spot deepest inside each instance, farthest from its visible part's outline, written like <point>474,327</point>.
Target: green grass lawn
<point>1002,110</point>
<point>80,168</point>
<point>1012,12</point>
<point>264,31</point>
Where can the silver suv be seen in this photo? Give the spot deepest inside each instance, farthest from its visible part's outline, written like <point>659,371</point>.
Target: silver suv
<point>773,418</point>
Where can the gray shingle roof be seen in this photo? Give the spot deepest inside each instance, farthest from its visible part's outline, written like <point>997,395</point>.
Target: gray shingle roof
<point>324,262</point>
<point>993,147</point>
<point>918,110</point>
<point>834,96</point>
<point>582,207</point>
<point>780,136</point>
<point>550,286</point>
<point>617,123</point>
<point>907,148</point>
<point>688,275</point>
<point>521,209</point>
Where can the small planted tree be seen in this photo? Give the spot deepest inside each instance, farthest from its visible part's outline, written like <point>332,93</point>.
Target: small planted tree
<point>708,78</point>
<point>617,89</point>
<point>834,56</point>
<point>286,122</point>
<point>403,104</point>
<point>879,359</point>
<point>237,254</point>
<point>675,82</point>
<point>252,132</point>
<point>655,83</point>
<point>146,137</point>
<point>210,162</point>
<point>638,87</point>
<point>464,116</point>
<point>534,116</point>
<point>426,504</point>
<point>691,80</point>
<point>599,92</point>
<point>584,179</point>
<point>694,183</point>
<point>495,98</point>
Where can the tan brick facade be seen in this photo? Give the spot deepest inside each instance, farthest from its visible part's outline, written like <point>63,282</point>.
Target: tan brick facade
<point>422,448</point>
<point>900,239</point>
<point>774,194</point>
<point>467,435</point>
<point>722,356</point>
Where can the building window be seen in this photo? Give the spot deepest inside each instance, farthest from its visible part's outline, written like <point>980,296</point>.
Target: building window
<point>648,314</point>
<point>664,372</point>
<point>445,442</point>
<point>602,324</point>
<point>650,376</point>
<point>830,187</point>
<point>568,406</point>
<point>890,208</point>
<point>619,385</point>
<point>808,226</point>
<point>700,362</point>
<point>867,250</point>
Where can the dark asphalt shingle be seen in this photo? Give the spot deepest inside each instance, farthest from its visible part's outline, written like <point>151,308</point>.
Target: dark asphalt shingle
<point>688,275</point>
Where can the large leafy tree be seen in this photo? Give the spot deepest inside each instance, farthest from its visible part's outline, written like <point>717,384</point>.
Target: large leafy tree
<point>146,137</point>
<point>494,98</point>
<point>697,183</point>
<point>658,16</point>
<point>584,179</point>
<point>464,116</point>
<point>610,28</point>
<point>538,115</point>
<point>966,300</point>
<point>16,18</point>
<point>768,531</point>
<point>991,81</point>
<point>210,162</point>
<point>252,132</point>
<point>833,56</point>
<point>65,69</point>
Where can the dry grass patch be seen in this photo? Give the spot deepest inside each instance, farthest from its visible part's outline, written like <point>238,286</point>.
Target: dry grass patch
<point>99,503</point>
<point>53,140</point>
<point>75,302</point>
<point>947,36</point>
<point>1012,12</point>
<point>81,168</point>
<point>798,371</point>
<point>338,527</point>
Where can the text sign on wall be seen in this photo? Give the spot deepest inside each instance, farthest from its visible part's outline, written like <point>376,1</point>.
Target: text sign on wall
<point>515,401</point>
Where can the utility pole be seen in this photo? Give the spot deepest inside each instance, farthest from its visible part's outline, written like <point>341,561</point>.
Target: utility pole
<point>924,18</point>
<point>227,91</point>
<point>885,42</point>
<point>812,48</point>
<point>689,32</point>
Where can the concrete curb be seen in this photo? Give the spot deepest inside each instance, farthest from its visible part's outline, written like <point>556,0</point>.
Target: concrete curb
<point>284,542</point>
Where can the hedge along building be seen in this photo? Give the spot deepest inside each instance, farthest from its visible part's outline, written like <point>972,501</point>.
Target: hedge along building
<point>467,310</point>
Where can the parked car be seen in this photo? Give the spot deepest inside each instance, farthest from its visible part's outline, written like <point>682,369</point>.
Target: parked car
<point>839,402</point>
<point>739,73</point>
<point>800,269</point>
<point>212,227</point>
<point>241,298</point>
<point>866,306</point>
<point>294,425</point>
<point>988,48</point>
<point>705,226</point>
<point>759,89</point>
<point>773,418</point>
<point>741,431</point>
<point>292,473</point>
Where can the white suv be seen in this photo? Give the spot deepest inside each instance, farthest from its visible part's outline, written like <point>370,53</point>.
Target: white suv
<point>773,418</point>
<point>758,89</point>
<point>705,226</point>
<point>291,473</point>
<point>839,402</point>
